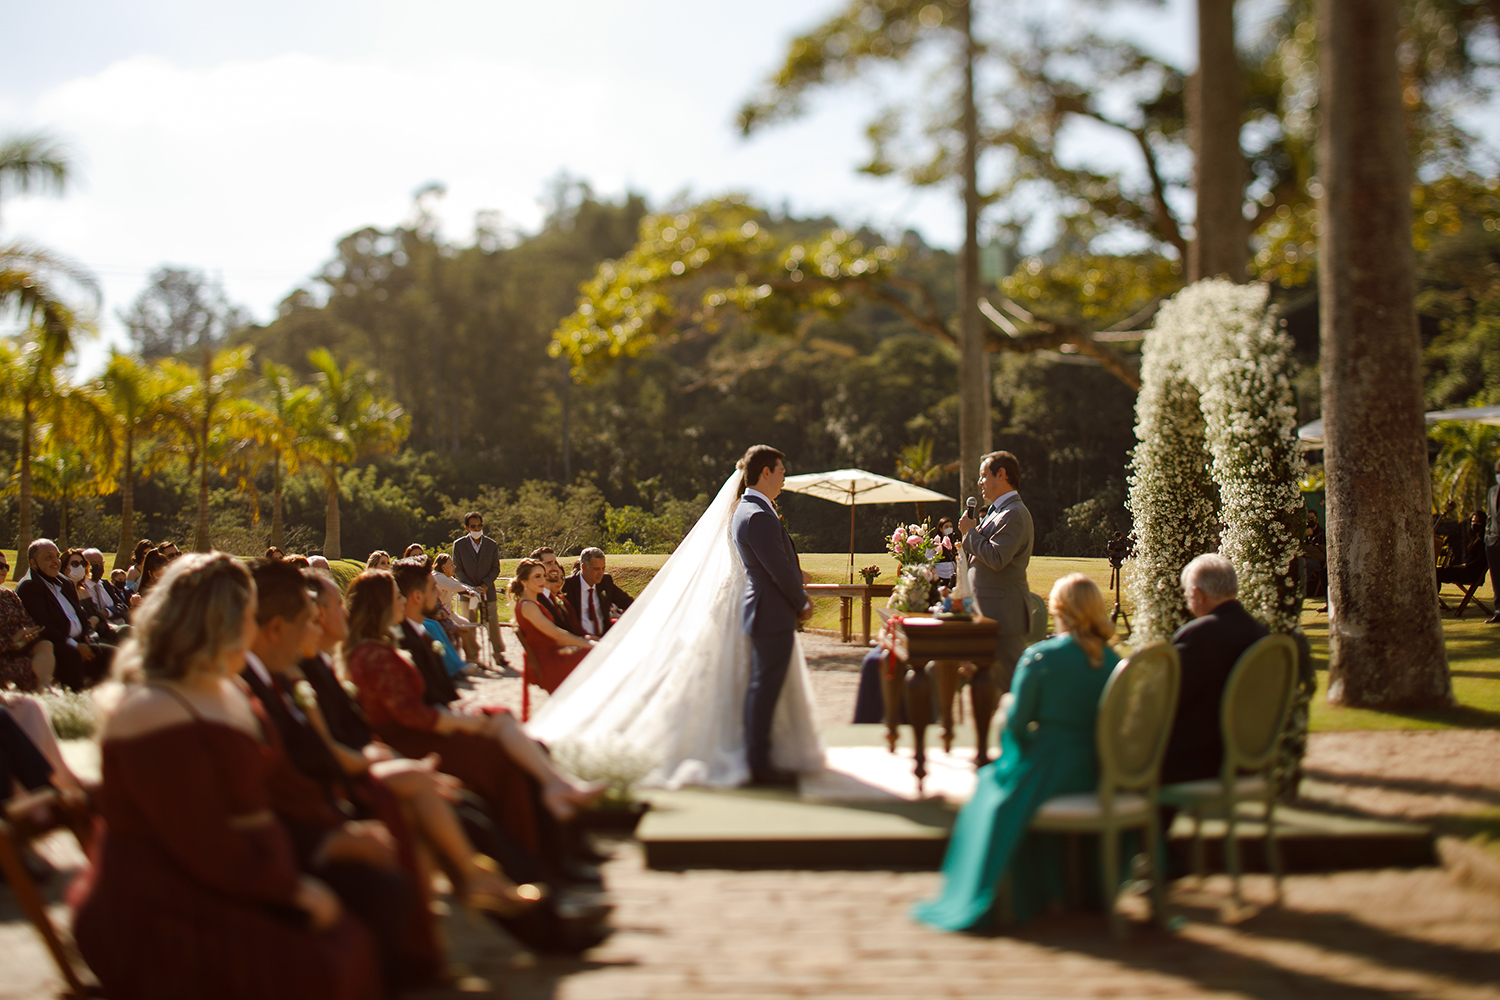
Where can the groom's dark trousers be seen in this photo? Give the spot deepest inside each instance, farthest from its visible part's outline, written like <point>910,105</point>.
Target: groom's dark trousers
<point>773,599</point>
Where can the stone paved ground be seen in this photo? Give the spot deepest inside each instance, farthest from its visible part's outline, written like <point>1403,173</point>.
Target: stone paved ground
<point>715,934</point>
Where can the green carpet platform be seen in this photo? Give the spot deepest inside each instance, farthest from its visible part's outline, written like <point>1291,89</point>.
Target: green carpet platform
<point>863,813</point>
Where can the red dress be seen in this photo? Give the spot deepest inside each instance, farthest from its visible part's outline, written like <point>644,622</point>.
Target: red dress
<point>181,903</point>
<point>390,693</point>
<point>553,662</point>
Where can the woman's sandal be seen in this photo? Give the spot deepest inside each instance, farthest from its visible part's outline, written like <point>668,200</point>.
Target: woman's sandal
<point>510,901</point>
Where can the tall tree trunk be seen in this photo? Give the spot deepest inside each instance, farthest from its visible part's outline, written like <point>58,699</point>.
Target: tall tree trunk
<point>567,425</point>
<point>23,515</point>
<point>62,528</point>
<point>331,549</point>
<point>1221,245</point>
<point>278,538</point>
<point>973,367</point>
<point>1385,637</point>
<point>202,542</point>
<point>127,501</point>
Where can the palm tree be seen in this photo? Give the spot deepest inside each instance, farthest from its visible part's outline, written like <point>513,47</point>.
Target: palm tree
<point>197,408</point>
<point>1461,474</point>
<point>914,465</point>
<point>67,422</point>
<point>346,421</point>
<point>265,432</point>
<point>140,398</point>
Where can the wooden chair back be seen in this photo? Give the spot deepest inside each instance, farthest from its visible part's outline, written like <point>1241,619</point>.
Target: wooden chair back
<point>1135,718</point>
<point>1257,700</point>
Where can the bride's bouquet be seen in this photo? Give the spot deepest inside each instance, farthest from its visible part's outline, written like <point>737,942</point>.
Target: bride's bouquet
<point>917,551</point>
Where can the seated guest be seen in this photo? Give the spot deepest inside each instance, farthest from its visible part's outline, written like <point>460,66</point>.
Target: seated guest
<point>317,562</point>
<point>488,751</point>
<point>115,606</point>
<point>26,657</point>
<point>76,570</point>
<point>459,628</point>
<point>419,599</point>
<point>152,567</point>
<point>196,890</point>
<point>556,649</point>
<point>415,783</point>
<point>311,795</point>
<point>297,561</point>
<point>592,592</point>
<point>274,552</point>
<point>414,551</point>
<point>23,767</point>
<point>31,715</point>
<point>1472,563</point>
<point>168,549</point>
<point>1208,647</point>
<point>947,565</point>
<point>52,602</point>
<point>379,559</point>
<point>551,597</point>
<point>137,560</point>
<point>1047,749</point>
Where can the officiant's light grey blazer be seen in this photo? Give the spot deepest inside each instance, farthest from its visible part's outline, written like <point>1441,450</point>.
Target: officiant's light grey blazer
<point>999,551</point>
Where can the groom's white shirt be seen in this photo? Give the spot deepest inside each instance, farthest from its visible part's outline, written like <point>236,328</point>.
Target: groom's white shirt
<point>751,491</point>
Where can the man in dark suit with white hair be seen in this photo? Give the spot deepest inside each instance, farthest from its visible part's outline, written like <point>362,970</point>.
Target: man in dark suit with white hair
<point>592,592</point>
<point>1208,647</point>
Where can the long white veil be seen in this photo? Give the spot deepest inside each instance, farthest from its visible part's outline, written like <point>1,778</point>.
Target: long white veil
<point>667,682</point>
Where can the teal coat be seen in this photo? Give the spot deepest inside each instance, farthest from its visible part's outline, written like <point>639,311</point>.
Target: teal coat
<point>1046,749</point>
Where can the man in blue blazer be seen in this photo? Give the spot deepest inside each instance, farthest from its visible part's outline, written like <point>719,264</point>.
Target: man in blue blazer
<point>775,602</point>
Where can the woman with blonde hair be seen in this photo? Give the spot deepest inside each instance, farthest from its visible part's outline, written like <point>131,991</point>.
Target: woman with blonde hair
<point>1047,749</point>
<point>196,890</point>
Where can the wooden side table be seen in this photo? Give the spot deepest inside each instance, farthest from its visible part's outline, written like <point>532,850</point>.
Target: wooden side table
<point>928,651</point>
<point>846,593</point>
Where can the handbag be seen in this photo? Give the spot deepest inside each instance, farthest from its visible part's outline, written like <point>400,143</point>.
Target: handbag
<point>24,637</point>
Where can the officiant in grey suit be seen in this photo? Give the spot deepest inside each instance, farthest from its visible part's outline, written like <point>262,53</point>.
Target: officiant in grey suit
<point>476,560</point>
<point>998,547</point>
<point>775,602</point>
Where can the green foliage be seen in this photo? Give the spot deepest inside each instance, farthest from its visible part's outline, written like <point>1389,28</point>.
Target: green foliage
<point>631,529</point>
<point>1465,466</point>
<point>72,713</point>
<point>568,518</point>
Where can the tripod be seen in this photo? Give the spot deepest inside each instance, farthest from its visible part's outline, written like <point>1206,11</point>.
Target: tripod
<point>1118,612</point>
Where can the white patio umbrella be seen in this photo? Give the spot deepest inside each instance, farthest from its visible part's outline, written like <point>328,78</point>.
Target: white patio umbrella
<point>856,487</point>
<point>1311,435</point>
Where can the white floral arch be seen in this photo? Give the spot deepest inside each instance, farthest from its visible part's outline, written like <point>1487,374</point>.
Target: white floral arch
<point>1217,466</point>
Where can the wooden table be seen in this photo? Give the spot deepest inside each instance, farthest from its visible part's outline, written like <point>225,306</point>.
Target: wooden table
<point>846,593</point>
<point>928,651</point>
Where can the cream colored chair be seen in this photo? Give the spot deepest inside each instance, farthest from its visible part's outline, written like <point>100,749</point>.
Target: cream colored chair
<point>1135,719</point>
<point>1257,701</point>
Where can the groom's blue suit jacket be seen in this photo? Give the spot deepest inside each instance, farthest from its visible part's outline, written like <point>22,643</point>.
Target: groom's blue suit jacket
<point>775,593</point>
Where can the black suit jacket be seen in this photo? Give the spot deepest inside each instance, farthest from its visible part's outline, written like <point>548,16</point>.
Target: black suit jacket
<point>609,594</point>
<point>562,611</point>
<point>302,743</point>
<point>1208,647</point>
<point>438,686</point>
<point>37,595</point>
<point>346,722</point>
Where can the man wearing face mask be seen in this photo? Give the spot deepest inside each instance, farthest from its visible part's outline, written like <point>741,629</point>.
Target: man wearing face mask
<point>477,561</point>
<point>1492,545</point>
<point>52,602</point>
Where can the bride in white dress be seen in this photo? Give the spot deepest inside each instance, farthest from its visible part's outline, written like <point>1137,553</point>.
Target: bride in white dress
<point>668,681</point>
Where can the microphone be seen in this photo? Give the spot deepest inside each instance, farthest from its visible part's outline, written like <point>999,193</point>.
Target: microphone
<point>970,508</point>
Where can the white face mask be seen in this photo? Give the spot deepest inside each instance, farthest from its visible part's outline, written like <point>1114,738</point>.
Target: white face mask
<point>77,573</point>
<point>477,535</point>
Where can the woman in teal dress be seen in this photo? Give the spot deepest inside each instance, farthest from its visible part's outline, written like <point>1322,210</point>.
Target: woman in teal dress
<point>1046,749</point>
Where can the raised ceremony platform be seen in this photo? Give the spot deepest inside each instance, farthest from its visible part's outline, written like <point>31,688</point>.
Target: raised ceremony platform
<point>863,813</point>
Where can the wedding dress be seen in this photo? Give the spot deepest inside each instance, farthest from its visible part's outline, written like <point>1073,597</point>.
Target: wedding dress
<point>666,685</point>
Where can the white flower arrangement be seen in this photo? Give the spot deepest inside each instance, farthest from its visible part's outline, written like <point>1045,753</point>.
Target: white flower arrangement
<point>1217,422</point>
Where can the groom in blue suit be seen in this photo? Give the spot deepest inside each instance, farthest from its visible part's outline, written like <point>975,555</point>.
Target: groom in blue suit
<point>774,603</point>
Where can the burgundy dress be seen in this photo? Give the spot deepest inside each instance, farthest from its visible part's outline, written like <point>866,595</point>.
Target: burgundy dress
<point>391,694</point>
<point>181,903</point>
<point>553,662</point>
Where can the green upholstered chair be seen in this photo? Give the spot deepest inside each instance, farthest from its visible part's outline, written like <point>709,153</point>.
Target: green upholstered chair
<point>1257,701</point>
<point>1038,619</point>
<point>1135,719</point>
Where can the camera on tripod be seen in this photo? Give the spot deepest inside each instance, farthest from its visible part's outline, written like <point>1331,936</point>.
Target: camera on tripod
<point>1119,548</point>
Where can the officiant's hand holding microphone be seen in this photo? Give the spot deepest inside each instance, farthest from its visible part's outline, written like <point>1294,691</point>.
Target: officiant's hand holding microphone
<point>968,523</point>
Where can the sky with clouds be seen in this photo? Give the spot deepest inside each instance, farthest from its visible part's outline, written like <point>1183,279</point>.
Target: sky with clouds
<point>245,139</point>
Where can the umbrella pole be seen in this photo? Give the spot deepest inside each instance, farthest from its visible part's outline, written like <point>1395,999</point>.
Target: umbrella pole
<point>851,536</point>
